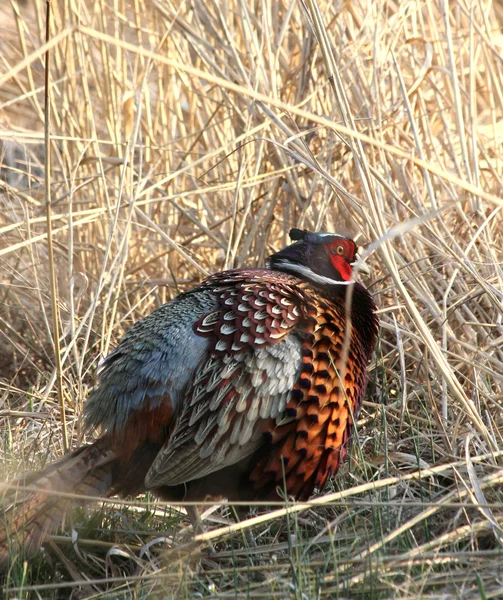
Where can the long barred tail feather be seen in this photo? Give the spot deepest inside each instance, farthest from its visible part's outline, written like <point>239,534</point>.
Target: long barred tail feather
<point>34,506</point>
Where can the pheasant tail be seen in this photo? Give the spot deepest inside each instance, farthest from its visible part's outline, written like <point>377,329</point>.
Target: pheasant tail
<point>34,506</point>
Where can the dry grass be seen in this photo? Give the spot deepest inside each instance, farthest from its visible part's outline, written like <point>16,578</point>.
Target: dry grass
<point>188,137</point>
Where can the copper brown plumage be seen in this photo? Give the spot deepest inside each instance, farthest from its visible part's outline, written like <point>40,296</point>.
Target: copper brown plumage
<point>246,385</point>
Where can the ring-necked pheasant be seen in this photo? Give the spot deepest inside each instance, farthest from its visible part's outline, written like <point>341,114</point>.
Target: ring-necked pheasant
<point>244,386</point>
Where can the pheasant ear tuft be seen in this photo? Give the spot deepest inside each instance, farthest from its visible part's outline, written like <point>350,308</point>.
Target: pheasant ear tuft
<point>297,234</point>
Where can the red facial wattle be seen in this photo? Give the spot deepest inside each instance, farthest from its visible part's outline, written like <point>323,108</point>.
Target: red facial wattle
<point>341,265</point>
<point>342,253</point>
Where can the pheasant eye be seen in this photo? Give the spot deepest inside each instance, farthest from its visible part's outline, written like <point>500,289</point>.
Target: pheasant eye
<point>338,250</point>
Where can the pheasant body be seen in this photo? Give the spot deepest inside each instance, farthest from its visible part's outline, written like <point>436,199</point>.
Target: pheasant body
<point>246,385</point>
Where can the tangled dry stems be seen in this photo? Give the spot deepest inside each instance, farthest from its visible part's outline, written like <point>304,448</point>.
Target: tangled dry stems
<point>188,138</point>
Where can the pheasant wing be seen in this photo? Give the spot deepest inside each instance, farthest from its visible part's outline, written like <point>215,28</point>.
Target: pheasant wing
<point>253,364</point>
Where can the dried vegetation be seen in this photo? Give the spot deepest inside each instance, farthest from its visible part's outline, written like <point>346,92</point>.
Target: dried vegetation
<point>187,137</point>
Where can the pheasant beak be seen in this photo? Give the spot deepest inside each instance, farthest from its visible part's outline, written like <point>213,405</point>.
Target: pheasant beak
<point>360,266</point>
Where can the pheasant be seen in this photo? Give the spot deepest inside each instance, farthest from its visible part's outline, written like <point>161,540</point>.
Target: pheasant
<point>245,387</point>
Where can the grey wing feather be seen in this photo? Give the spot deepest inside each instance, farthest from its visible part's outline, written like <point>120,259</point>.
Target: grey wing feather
<point>157,357</point>
<point>208,435</point>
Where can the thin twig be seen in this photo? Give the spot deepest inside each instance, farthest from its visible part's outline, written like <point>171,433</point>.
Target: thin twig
<point>50,249</point>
